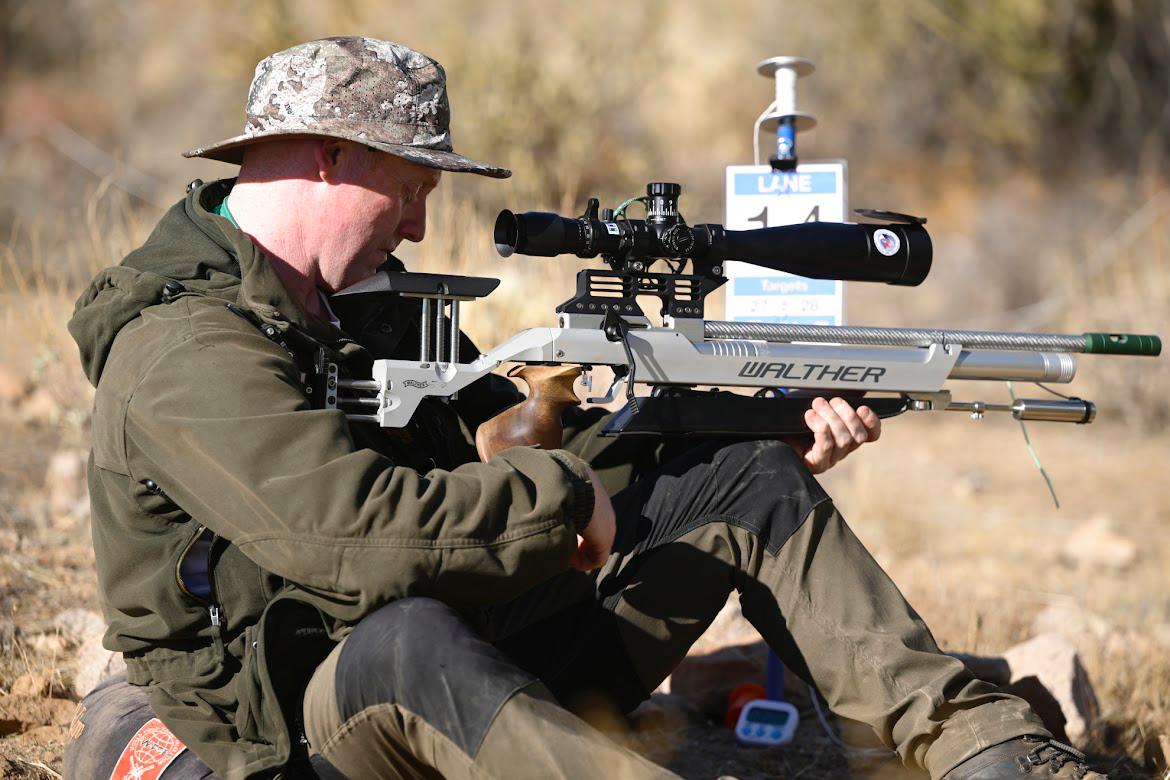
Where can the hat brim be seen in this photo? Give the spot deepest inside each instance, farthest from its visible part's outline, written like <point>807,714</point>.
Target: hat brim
<point>232,151</point>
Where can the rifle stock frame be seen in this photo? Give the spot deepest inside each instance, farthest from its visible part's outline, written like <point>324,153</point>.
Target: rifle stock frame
<point>688,352</point>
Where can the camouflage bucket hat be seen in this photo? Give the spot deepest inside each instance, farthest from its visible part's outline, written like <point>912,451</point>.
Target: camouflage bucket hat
<point>364,90</point>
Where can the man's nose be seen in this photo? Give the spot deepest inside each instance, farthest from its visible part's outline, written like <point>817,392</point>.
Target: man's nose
<point>413,225</point>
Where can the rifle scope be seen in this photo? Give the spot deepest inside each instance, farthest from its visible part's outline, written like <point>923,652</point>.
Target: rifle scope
<point>895,253</point>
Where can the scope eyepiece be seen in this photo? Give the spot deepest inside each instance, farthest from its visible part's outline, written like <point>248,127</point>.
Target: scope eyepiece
<point>537,233</point>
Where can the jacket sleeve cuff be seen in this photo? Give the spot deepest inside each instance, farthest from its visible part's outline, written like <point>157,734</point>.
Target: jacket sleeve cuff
<point>580,509</point>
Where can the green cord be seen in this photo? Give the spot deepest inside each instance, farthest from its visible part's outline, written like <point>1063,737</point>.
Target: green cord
<point>620,210</point>
<point>1032,452</point>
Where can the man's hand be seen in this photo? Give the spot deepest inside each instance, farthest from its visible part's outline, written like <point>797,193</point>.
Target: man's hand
<point>838,430</point>
<point>594,545</point>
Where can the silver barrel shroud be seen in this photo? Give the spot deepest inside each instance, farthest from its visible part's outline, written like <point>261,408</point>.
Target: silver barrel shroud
<point>1015,366</point>
<point>894,337</point>
<point>1019,357</point>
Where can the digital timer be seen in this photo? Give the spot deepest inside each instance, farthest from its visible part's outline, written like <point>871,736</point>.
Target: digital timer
<point>767,722</point>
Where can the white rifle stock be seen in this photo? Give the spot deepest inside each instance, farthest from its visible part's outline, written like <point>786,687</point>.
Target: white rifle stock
<point>906,366</point>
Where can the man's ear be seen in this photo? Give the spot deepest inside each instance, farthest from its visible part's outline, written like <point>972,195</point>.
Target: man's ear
<point>327,154</point>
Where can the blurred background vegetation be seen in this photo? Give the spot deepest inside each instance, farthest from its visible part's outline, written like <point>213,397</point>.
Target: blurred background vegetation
<point>1035,135</point>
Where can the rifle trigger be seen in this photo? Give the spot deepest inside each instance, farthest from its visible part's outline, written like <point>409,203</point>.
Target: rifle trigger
<point>617,329</point>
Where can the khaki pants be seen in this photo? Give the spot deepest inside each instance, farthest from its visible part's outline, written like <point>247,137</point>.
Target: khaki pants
<point>419,691</point>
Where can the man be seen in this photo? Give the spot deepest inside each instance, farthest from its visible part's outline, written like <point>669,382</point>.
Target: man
<point>301,595</point>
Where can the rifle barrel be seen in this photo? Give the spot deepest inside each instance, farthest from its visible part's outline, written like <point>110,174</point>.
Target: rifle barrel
<point>1105,343</point>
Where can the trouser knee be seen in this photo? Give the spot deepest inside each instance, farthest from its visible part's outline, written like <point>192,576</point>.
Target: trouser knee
<point>108,720</point>
<point>419,655</point>
<point>765,487</point>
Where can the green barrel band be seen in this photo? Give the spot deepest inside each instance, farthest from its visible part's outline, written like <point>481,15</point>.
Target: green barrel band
<point>1122,344</point>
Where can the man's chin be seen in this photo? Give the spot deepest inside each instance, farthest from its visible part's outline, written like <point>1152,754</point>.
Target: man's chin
<point>355,276</point>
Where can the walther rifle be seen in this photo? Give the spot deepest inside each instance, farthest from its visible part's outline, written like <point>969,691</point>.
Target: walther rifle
<point>891,370</point>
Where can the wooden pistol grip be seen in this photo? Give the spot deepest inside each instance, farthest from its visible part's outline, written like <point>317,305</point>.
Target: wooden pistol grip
<point>537,420</point>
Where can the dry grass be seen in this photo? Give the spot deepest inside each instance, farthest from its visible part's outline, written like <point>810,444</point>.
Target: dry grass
<point>1042,220</point>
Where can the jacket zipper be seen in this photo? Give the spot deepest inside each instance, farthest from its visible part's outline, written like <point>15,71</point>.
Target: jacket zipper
<point>214,610</point>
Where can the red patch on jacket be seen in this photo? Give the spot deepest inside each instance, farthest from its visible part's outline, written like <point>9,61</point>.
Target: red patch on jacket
<point>149,753</point>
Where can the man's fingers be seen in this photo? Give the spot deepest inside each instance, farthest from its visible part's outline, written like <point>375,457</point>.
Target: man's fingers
<point>580,560</point>
<point>587,557</point>
<point>818,456</point>
<point>873,423</point>
<point>823,439</point>
<point>852,419</point>
<point>842,436</point>
<point>838,429</point>
<point>814,421</point>
<point>595,543</point>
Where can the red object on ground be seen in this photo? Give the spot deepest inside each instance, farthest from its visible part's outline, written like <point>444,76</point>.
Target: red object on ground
<point>738,698</point>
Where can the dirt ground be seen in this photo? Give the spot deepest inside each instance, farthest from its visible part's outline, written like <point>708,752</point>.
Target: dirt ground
<point>953,509</point>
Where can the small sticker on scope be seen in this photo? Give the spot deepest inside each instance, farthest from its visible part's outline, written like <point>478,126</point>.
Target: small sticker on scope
<point>611,228</point>
<point>886,241</point>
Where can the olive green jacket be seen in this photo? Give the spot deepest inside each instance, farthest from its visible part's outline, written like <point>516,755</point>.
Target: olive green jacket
<point>207,445</point>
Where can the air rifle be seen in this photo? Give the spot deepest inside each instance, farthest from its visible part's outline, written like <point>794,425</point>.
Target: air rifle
<point>891,370</point>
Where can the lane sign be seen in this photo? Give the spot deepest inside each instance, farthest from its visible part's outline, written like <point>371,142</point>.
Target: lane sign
<point>759,197</point>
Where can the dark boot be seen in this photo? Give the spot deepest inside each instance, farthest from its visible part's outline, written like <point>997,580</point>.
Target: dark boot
<point>1035,758</point>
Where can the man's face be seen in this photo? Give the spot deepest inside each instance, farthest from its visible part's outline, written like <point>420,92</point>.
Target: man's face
<point>373,202</point>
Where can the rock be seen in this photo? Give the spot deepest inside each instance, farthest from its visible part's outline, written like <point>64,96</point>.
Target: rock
<point>1096,544</point>
<point>40,408</point>
<point>79,625</point>
<point>662,724</point>
<point>1043,703</point>
<point>42,734</point>
<point>13,387</point>
<point>705,680</point>
<point>16,768</point>
<point>30,684</point>
<point>1079,626</point>
<point>1047,672</point>
<point>50,644</point>
<point>94,664</point>
<point>665,712</point>
<point>65,481</point>
<point>30,711</point>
